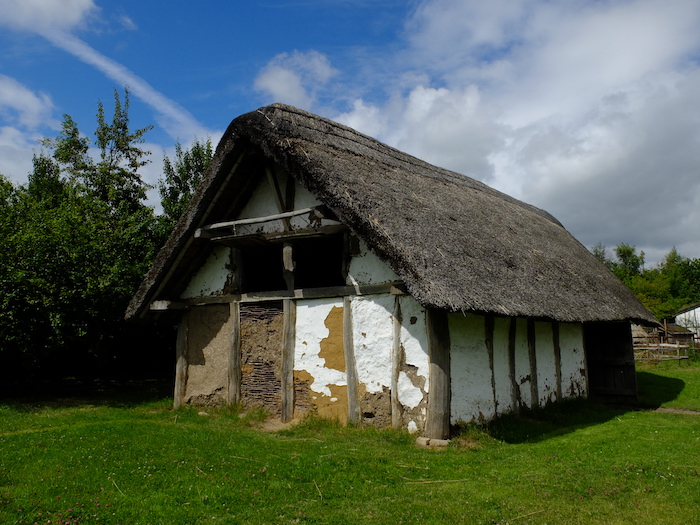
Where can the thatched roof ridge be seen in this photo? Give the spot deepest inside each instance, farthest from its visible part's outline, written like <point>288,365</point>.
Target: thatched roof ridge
<point>458,244</point>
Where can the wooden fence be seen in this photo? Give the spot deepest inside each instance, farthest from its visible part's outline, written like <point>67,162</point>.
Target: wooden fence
<point>661,352</point>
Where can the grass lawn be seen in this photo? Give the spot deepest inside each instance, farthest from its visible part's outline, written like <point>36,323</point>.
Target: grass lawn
<point>141,462</point>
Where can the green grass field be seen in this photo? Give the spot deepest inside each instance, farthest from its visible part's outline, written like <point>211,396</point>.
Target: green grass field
<point>113,461</point>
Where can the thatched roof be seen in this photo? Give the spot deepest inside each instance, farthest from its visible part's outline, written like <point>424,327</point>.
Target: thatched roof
<point>456,243</point>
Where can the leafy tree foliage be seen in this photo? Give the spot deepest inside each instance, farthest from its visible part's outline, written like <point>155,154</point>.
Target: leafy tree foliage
<point>663,289</point>
<point>181,179</point>
<point>76,241</point>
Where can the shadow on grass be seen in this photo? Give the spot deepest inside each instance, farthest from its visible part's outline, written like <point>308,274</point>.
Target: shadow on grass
<point>553,420</point>
<point>561,418</point>
<point>655,389</point>
<point>72,392</point>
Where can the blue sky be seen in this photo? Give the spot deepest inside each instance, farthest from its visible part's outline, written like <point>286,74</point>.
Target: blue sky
<point>588,109</point>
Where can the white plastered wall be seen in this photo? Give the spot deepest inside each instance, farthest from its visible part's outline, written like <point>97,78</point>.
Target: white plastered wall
<point>480,393</point>
<point>212,276</point>
<point>573,361</point>
<point>372,326</point>
<point>367,268</point>
<point>546,364</point>
<point>473,396</point>
<point>311,330</point>
<point>263,203</point>
<point>522,363</point>
<point>501,367</point>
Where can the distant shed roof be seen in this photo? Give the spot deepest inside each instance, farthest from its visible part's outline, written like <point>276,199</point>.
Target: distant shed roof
<point>458,244</point>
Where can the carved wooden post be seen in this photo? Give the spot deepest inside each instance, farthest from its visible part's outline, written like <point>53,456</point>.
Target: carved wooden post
<point>350,368</point>
<point>288,339</point>
<point>234,356</point>
<point>396,407</point>
<point>181,361</point>
<point>437,425</point>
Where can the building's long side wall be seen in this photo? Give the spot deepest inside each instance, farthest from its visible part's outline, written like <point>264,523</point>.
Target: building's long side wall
<point>481,392</point>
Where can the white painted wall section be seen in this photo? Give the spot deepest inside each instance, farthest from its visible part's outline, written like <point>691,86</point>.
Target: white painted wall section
<point>471,376</point>
<point>310,331</point>
<point>414,337</point>
<point>546,364</point>
<point>373,338</point>
<point>367,268</point>
<point>501,365</point>
<point>522,362</point>
<point>573,360</point>
<point>263,203</point>
<point>409,394</point>
<point>211,277</point>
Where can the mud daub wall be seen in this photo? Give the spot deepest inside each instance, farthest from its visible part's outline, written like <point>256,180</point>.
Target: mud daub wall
<point>208,347</point>
<point>261,356</point>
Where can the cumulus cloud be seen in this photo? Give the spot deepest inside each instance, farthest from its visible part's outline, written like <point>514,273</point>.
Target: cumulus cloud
<point>23,107</point>
<point>295,78</point>
<point>587,109</point>
<point>46,16</point>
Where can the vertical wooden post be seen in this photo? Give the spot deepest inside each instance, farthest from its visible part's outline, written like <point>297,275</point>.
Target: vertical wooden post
<point>181,361</point>
<point>532,353</point>
<point>234,355</point>
<point>396,407</point>
<point>437,425</point>
<point>557,357</point>
<point>350,368</point>
<point>288,339</point>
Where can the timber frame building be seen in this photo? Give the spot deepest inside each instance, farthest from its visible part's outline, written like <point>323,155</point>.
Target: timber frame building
<point>318,270</point>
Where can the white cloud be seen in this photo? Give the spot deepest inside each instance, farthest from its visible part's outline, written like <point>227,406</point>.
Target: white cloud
<point>22,106</point>
<point>176,121</point>
<point>45,16</point>
<point>295,78</point>
<point>56,20</point>
<point>15,162</point>
<point>590,110</point>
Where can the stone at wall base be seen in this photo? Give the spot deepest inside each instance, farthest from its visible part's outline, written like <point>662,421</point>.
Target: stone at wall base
<point>432,443</point>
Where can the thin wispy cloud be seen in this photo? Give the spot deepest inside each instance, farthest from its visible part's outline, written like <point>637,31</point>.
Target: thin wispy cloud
<point>174,119</point>
<point>57,21</point>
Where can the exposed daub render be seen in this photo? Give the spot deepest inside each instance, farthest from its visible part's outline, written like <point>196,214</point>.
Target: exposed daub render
<point>318,271</point>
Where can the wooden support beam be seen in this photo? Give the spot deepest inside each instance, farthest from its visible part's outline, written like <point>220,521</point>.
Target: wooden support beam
<point>181,361</point>
<point>246,239</point>
<point>396,406</point>
<point>437,425</point>
<point>395,288</point>
<point>206,231</point>
<point>350,366</point>
<point>234,356</point>
<point>288,341</point>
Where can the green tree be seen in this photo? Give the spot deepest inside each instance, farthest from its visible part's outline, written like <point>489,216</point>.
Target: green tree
<point>629,263</point>
<point>181,178</point>
<point>663,289</point>
<point>76,241</point>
